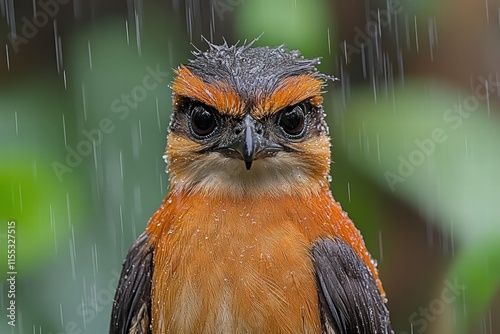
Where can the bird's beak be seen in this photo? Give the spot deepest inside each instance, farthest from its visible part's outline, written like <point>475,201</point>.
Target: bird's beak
<point>248,143</point>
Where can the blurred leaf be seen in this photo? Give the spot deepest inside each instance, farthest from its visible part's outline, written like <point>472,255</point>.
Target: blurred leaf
<point>439,151</point>
<point>477,268</point>
<point>31,131</point>
<point>296,23</point>
<point>30,196</point>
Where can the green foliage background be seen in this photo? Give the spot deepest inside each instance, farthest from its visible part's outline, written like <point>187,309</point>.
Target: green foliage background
<point>73,230</point>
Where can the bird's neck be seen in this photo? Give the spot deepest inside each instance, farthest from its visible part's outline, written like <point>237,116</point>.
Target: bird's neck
<point>203,207</point>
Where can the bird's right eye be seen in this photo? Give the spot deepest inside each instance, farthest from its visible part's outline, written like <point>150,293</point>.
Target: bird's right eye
<point>203,121</point>
<point>292,121</point>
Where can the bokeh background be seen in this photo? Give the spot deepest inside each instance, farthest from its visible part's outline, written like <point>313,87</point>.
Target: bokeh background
<point>415,125</point>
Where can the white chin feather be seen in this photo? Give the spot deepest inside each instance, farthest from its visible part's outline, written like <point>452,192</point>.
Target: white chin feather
<point>276,175</point>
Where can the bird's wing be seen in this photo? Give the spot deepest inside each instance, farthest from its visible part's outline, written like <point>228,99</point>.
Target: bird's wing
<point>131,312</point>
<point>349,299</point>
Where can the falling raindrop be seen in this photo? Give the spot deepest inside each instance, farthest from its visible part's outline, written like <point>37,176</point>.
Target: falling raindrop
<point>126,32</point>
<point>135,141</point>
<point>416,32</point>
<point>121,164</point>
<point>90,54</point>
<point>138,34</point>
<point>57,43</point>
<point>84,102</point>
<point>212,22</point>
<point>121,218</point>
<point>64,80</point>
<point>70,224</point>
<point>11,18</point>
<point>190,22</point>
<point>72,253</point>
<point>140,132</point>
<point>16,122</point>
<point>61,313</point>
<point>7,56</point>
<point>363,61</point>
<point>329,41</point>
<point>349,191</point>
<point>60,51</point>
<point>486,82</point>
<point>64,131</point>
<point>487,11</point>
<point>96,160</point>
<point>158,114</point>
<point>95,261</point>
<point>432,33</point>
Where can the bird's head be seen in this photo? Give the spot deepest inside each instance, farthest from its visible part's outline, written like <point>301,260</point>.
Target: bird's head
<point>248,121</point>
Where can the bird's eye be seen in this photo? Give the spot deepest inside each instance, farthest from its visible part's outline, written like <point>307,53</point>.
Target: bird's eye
<point>203,121</point>
<point>292,120</point>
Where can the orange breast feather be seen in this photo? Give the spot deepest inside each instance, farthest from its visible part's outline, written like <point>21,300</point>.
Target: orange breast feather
<point>242,264</point>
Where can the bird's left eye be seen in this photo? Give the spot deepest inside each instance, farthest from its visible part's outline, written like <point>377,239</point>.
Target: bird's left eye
<point>292,120</point>
<point>203,121</point>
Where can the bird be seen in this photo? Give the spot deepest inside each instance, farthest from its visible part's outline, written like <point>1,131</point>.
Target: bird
<point>249,238</point>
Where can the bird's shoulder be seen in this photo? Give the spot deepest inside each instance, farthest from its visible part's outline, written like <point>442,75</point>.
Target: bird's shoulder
<point>349,299</point>
<point>131,311</point>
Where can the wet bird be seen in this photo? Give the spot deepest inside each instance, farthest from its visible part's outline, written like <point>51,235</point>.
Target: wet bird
<point>249,238</point>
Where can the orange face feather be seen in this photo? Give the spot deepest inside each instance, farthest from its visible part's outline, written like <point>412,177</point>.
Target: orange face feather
<point>221,96</point>
<point>290,92</point>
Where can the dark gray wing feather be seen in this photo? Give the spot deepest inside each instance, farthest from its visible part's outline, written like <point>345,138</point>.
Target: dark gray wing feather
<point>349,299</point>
<point>131,312</point>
